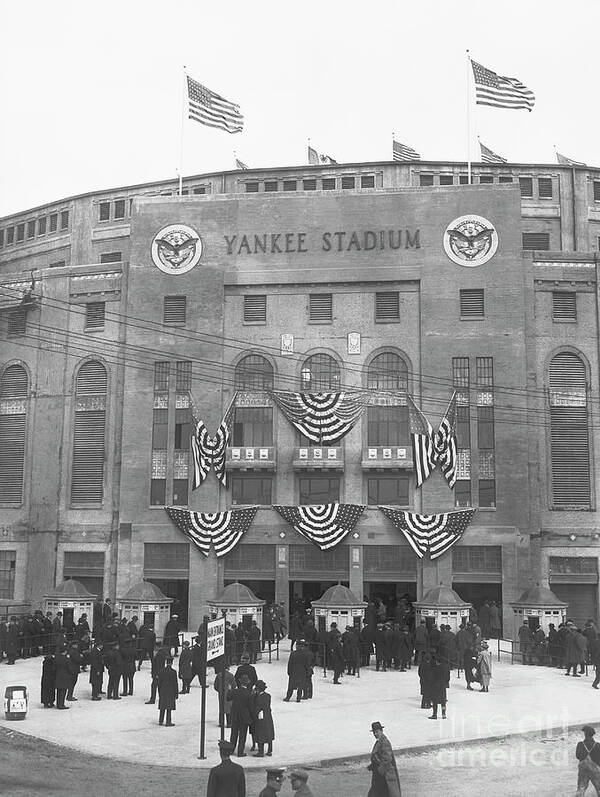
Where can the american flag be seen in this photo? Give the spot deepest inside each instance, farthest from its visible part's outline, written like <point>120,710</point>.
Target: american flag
<point>314,159</point>
<point>500,92</point>
<point>562,160</point>
<point>210,451</point>
<point>432,534</point>
<point>324,524</point>
<point>213,110</point>
<point>223,529</point>
<point>322,417</point>
<point>402,152</point>
<point>489,156</point>
<point>240,165</point>
<point>431,448</point>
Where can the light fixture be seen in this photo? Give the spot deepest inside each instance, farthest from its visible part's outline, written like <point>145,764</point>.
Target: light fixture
<point>282,534</point>
<point>597,536</point>
<point>572,537</point>
<point>356,535</point>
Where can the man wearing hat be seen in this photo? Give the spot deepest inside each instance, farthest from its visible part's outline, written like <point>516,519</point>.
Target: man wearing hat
<point>298,778</point>
<point>247,669</point>
<point>588,755</point>
<point>171,634</point>
<point>275,779</point>
<point>227,777</point>
<point>384,774</point>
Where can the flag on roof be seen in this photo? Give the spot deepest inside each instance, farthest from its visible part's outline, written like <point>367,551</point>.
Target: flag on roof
<point>240,164</point>
<point>432,534</point>
<point>562,160</point>
<point>499,91</point>
<point>223,529</point>
<point>209,108</point>
<point>324,524</point>
<point>402,152</point>
<point>489,156</point>
<point>315,159</point>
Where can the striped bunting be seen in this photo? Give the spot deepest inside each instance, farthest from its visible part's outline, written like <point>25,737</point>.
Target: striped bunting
<point>210,451</point>
<point>223,529</point>
<point>433,534</point>
<point>431,448</point>
<point>324,524</point>
<point>322,417</point>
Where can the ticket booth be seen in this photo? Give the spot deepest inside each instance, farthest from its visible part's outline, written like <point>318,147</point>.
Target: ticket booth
<point>72,599</point>
<point>442,606</point>
<point>146,602</point>
<point>338,605</point>
<point>540,607</point>
<point>239,605</point>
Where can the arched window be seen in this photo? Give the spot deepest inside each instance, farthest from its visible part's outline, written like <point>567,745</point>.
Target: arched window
<point>387,371</point>
<point>14,391</point>
<point>569,437</point>
<point>254,373</point>
<point>320,373</point>
<point>87,475</point>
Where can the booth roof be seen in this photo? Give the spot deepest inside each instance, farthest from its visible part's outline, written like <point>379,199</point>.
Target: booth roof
<point>441,596</point>
<point>70,589</point>
<point>539,596</point>
<point>237,594</point>
<point>338,595</point>
<point>145,592</point>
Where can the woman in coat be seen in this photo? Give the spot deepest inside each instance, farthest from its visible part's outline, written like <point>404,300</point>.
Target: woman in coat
<point>484,667</point>
<point>263,729</point>
<point>168,692</point>
<point>48,679</point>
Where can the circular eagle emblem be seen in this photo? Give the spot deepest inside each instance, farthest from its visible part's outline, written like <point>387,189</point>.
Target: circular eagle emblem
<point>176,249</point>
<point>470,240</point>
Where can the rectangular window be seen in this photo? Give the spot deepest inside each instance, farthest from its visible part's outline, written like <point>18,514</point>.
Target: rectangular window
<point>253,426</point>
<point>328,183</point>
<point>388,490</point>
<point>574,565</point>
<point>251,490</point>
<point>174,310</point>
<point>57,264</point>
<point>484,372</point>
<point>526,186</point>
<point>477,559</point>
<point>462,492</point>
<point>255,309</point>
<point>348,182</point>
<point>160,424</point>
<point>367,181</point>
<point>505,178</point>
<point>318,490</point>
<point>17,322</point>
<point>119,209</point>
<point>564,306</point>
<point>596,190</point>
<point>533,241</point>
<point>180,492</point>
<point>387,306</point>
<point>487,492</point>
<point>104,211</point>
<point>13,426</point>
<point>53,222</point>
<point>485,427</point>
<point>160,556</point>
<point>94,315</point>
<point>309,185</point>
<point>387,426</point>
<point>460,372</point>
<point>486,179</point>
<point>161,376</point>
<point>463,426</point>
<point>87,475</point>
<point>8,566</point>
<point>183,429</point>
<point>545,187</point>
<point>183,375</point>
<point>446,179</point>
<point>425,180</point>
<point>10,235</point>
<point>31,229</point>
<point>251,188</point>
<point>1,237</point>
<point>64,220</point>
<point>110,257</point>
<point>463,179</point>
<point>20,232</point>
<point>200,189</point>
<point>471,303</point>
<point>270,185</point>
<point>290,185</point>
<point>42,226</point>
<point>320,307</point>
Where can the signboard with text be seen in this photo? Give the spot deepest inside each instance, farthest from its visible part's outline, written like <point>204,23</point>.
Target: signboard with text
<point>215,639</point>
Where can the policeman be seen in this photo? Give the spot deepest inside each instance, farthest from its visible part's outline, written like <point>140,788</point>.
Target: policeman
<point>275,779</point>
<point>298,778</point>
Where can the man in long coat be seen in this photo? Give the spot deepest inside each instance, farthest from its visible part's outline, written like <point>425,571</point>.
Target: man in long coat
<point>297,671</point>
<point>241,715</point>
<point>168,692</point>
<point>226,778</point>
<point>526,642</point>
<point>171,634</point>
<point>114,665</point>
<point>96,669</point>
<point>384,773</point>
<point>62,678</point>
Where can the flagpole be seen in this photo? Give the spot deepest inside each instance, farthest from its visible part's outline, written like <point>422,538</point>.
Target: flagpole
<point>183,105</point>
<point>468,121</point>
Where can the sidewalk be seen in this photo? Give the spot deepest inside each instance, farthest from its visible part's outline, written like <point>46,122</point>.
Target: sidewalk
<point>335,724</point>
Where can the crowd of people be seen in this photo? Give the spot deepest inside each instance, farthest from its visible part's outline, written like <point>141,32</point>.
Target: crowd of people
<point>567,647</point>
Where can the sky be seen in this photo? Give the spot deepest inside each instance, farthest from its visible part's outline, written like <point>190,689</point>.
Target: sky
<point>92,93</point>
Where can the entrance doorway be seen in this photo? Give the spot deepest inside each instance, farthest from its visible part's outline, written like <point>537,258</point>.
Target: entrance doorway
<point>263,589</point>
<point>477,593</point>
<point>390,592</point>
<point>303,592</point>
<point>177,589</point>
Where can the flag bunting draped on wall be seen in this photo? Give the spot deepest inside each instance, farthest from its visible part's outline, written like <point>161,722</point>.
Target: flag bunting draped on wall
<point>432,534</point>
<point>223,529</point>
<point>431,448</point>
<point>210,451</point>
<point>322,417</point>
<point>324,524</point>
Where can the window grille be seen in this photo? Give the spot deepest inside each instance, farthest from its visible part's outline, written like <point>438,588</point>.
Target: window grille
<point>387,371</point>
<point>387,306</point>
<point>328,183</point>
<point>460,372</point>
<point>174,310</point>
<point>526,186</point>
<point>564,306</point>
<point>254,373</point>
<point>309,185</point>
<point>545,187</point>
<point>320,307</point>
<point>536,241</point>
<point>161,376</point>
<point>471,303</point>
<point>94,315</point>
<point>320,372</point>
<point>425,180</point>
<point>255,309</point>
<point>348,182</point>
<point>119,209</point>
<point>104,211</point>
<point>367,181</point>
<point>87,473</point>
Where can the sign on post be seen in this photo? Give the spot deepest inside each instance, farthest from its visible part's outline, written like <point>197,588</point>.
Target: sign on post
<point>215,638</point>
